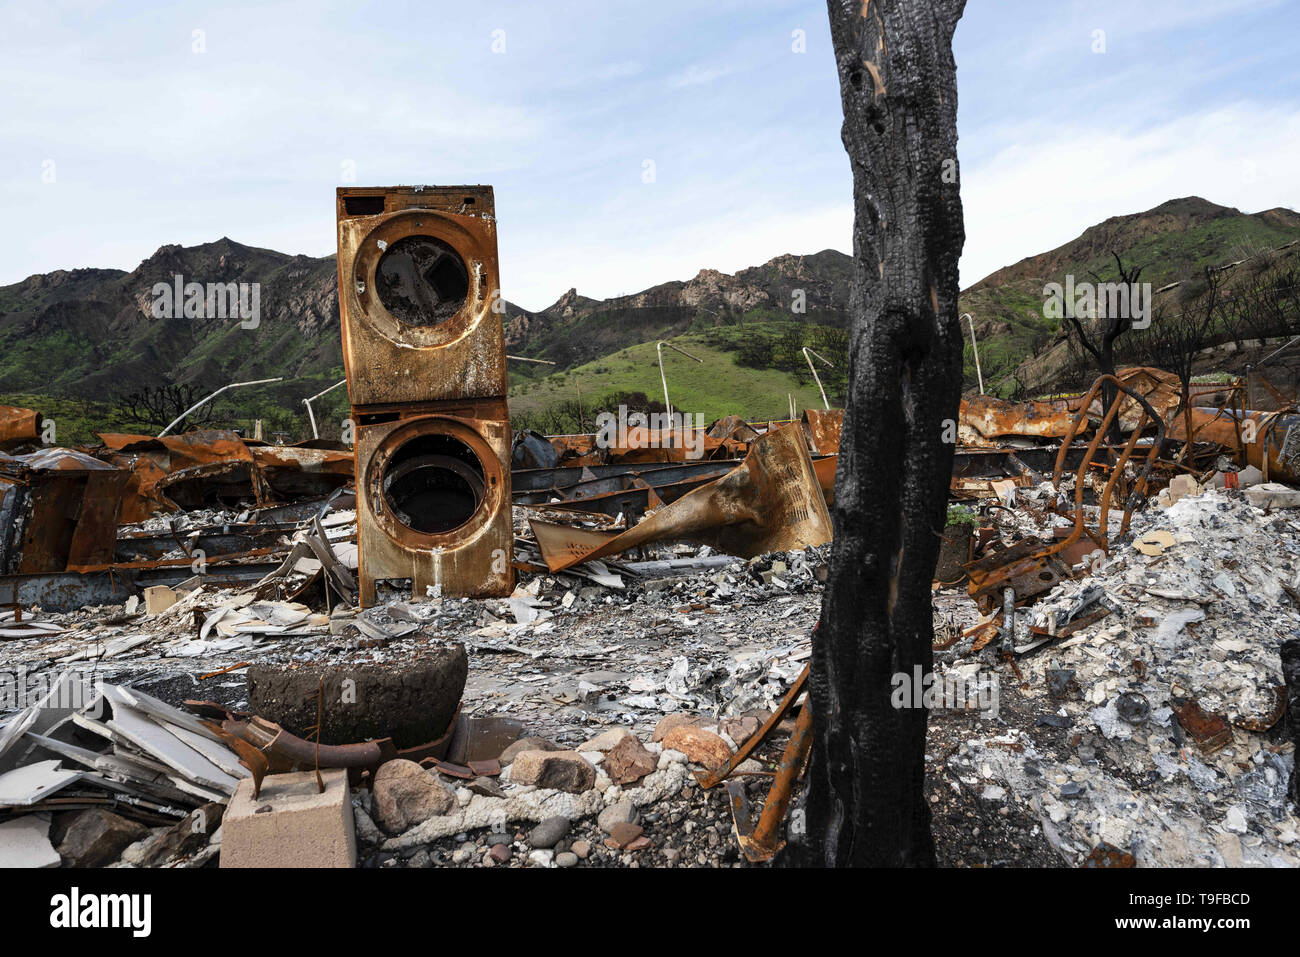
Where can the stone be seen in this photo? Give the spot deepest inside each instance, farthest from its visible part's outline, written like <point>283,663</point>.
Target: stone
<point>670,721</point>
<point>405,794</point>
<point>624,833</point>
<point>527,744</point>
<point>566,859</point>
<point>560,770</point>
<point>699,746</point>
<point>186,837</point>
<point>541,858</point>
<point>608,740</point>
<point>740,729</point>
<point>549,832</point>
<point>621,812</point>
<point>672,855</point>
<point>96,837</point>
<point>640,844</point>
<point>500,853</point>
<point>628,762</point>
<point>581,849</point>
<point>302,828</point>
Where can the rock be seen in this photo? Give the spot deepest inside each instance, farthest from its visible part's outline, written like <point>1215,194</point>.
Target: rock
<point>500,853</point>
<point>624,833</point>
<point>607,741</point>
<point>561,770</point>
<point>699,746</point>
<point>96,837</point>
<point>668,756</point>
<point>640,844</point>
<point>1270,495</point>
<point>526,744</point>
<point>628,761</point>
<point>566,859</point>
<point>420,859</point>
<point>581,849</point>
<point>186,837</point>
<point>549,832</point>
<point>739,729</point>
<point>406,794</point>
<point>672,855</point>
<point>541,858</point>
<point>623,812</point>
<point>668,722</point>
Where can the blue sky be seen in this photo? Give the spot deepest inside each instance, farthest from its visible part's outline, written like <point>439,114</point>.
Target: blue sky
<point>149,141</point>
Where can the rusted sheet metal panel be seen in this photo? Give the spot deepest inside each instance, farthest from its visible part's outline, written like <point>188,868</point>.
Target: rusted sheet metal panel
<point>771,502</point>
<point>823,429</point>
<point>18,426</point>
<point>60,509</point>
<point>1268,453</point>
<point>1160,388</point>
<point>984,419</point>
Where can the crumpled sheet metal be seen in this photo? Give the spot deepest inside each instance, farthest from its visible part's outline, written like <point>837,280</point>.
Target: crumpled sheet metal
<point>1268,453</point>
<point>985,419</point>
<point>823,428</point>
<point>1160,388</point>
<point>18,426</point>
<point>181,466</point>
<point>59,509</point>
<point>644,446</point>
<point>770,502</point>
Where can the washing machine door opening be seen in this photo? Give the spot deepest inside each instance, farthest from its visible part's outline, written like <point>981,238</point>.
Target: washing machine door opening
<point>433,484</point>
<point>421,281</point>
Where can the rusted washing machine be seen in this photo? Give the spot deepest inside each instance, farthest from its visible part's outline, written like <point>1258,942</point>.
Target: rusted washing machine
<point>424,352</point>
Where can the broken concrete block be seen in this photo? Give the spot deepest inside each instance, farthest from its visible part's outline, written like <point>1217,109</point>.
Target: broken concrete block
<point>1182,486</point>
<point>562,770</point>
<point>405,794</point>
<point>699,746</point>
<point>1273,495</point>
<point>291,824</point>
<point>25,842</point>
<point>158,598</point>
<point>96,837</point>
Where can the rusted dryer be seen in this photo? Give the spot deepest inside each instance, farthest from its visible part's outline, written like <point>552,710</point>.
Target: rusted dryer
<point>424,352</point>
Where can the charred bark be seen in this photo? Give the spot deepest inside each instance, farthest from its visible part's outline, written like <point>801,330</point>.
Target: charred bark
<point>864,802</point>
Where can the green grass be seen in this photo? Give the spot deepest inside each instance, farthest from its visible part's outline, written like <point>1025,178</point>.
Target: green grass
<point>717,387</point>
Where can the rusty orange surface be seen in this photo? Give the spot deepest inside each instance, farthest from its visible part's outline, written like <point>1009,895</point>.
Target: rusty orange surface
<point>18,426</point>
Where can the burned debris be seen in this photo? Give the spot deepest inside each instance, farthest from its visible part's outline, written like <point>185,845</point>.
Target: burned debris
<point>454,645</point>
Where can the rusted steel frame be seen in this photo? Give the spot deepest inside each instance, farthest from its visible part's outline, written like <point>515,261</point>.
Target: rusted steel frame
<point>1149,415</point>
<point>711,779</point>
<point>765,840</point>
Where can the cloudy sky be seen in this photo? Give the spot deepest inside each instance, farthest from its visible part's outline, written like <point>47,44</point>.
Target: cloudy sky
<point>629,143</point>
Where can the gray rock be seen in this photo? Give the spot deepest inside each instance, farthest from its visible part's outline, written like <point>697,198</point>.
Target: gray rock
<point>566,859</point>
<point>621,812</point>
<point>562,770</point>
<point>549,832</point>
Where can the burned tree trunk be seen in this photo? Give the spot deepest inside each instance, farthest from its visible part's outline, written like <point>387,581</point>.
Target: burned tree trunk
<point>864,799</point>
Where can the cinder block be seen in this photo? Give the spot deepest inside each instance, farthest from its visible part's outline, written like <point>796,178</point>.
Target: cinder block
<point>291,824</point>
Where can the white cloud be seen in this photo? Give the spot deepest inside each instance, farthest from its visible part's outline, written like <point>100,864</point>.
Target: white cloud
<point>1054,180</point>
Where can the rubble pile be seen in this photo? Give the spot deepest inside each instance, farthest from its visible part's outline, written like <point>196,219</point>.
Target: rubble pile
<point>1159,732</point>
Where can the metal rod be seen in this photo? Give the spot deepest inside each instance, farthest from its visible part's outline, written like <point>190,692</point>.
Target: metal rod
<point>659,349</point>
<point>540,362</point>
<point>807,354</point>
<point>308,402</point>
<point>975,347</point>
<point>200,404</point>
